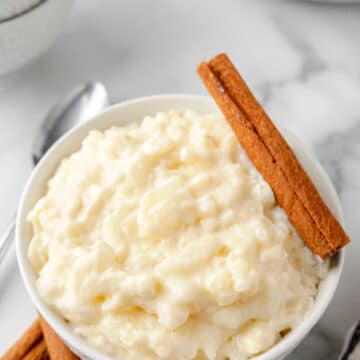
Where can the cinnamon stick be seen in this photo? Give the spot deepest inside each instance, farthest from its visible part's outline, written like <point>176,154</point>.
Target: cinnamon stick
<point>38,352</point>
<point>30,337</point>
<point>273,158</point>
<point>55,346</point>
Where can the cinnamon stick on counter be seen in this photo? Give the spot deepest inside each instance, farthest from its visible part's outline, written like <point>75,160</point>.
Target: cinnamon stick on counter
<point>55,346</point>
<point>273,158</point>
<point>38,352</point>
<point>29,339</point>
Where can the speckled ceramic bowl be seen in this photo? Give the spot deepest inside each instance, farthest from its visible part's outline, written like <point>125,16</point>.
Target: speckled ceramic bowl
<point>125,113</point>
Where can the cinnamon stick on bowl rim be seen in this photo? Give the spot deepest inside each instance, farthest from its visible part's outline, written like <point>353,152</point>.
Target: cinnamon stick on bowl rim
<point>273,158</point>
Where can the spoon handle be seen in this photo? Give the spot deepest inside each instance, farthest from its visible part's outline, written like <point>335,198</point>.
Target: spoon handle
<point>6,240</point>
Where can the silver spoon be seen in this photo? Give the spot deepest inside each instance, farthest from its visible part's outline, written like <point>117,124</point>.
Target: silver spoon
<point>77,106</point>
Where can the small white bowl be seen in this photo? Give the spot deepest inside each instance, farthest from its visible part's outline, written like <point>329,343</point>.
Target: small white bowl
<point>125,113</point>
<point>27,35</point>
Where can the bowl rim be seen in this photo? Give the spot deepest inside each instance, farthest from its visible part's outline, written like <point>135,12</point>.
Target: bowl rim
<point>79,344</point>
<point>23,12</point>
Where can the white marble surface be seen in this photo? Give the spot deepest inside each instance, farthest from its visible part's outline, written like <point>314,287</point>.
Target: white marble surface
<point>302,60</point>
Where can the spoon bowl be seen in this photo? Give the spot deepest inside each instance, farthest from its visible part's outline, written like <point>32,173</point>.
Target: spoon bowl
<point>79,105</point>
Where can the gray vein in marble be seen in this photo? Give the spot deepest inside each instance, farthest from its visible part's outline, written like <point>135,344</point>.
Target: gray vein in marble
<point>333,149</point>
<point>312,63</point>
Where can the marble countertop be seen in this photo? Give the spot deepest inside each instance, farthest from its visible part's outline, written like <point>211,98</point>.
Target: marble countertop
<point>302,59</point>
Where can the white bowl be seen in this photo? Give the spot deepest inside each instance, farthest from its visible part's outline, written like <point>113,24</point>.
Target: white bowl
<point>125,113</point>
<point>27,35</point>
